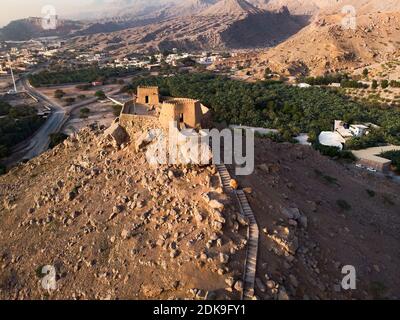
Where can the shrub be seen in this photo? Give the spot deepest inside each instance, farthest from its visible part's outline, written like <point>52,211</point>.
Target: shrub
<point>2,169</point>
<point>100,95</point>
<point>327,178</point>
<point>395,157</point>
<point>83,87</point>
<point>388,200</point>
<point>343,204</point>
<point>59,94</point>
<point>371,193</point>
<point>70,100</point>
<point>84,112</point>
<point>117,110</point>
<point>56,139</point>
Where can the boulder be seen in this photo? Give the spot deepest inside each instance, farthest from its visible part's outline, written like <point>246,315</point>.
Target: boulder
<point>234,184</point>
<point>239,285</point>
<point>223,258</point>
<point>117,134</point>
<point>215,204</point>
<point>291,213</point>
<point>143,139</point>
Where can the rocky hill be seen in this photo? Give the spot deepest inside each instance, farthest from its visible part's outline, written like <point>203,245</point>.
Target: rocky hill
<point>317,215</point>
<point>327,45</point>
<point>227,24</point>
<point>26,29</point>
<point>115,227</point>
<point>232,8</point>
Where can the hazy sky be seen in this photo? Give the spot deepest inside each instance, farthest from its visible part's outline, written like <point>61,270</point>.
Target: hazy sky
<point>15,9</point>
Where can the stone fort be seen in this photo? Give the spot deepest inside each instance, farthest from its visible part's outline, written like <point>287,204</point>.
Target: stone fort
<point>148,108</point>
<point>148,95</point>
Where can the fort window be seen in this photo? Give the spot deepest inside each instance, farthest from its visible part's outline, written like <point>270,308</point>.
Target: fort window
<point>147,99</point>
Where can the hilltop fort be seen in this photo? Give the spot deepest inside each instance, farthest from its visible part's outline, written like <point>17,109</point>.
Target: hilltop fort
<point>149,109</point>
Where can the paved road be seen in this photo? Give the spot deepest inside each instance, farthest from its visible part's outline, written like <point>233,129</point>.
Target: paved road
<point>41,140</point>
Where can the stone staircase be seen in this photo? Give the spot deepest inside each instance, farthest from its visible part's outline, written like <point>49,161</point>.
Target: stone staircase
<point>252,246</point>
<point>225,177</point>
<point>250,266</point>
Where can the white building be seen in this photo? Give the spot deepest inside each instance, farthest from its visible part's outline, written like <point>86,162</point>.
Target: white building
<point>342,132</point>
<point>304,85</point>
<point>331,139</point>
<point>358,130</point>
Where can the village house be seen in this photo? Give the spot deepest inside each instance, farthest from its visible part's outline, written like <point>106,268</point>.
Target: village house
<point>342,132</point>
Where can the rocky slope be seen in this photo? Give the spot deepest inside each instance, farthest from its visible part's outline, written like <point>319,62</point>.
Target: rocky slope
<point>327,45</point>
<point>26,29</point>
<point>227,24</point>
<point>116,228</point>
<point>232,8</point>
<point>315,216</point>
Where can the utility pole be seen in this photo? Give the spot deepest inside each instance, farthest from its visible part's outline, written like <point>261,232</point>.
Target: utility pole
<point>12,73</point>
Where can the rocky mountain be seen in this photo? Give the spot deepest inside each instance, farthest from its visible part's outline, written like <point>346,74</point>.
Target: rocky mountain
<point>232,8</point>
<point>226,24</point>
<point>328,44</point>
<point>26,29</point>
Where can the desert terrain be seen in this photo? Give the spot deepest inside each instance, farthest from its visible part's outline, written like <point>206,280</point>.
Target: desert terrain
<point>114,228</point>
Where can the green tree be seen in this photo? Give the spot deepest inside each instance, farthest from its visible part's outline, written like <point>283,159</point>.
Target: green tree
<point>100,95</point>
<point>59,94</point>
<point>84,112</point>
<point>56,139</point>
<point>70,100</point>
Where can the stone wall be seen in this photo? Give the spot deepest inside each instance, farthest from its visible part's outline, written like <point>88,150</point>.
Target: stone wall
<point>187,111</point>
<point>137,123</point>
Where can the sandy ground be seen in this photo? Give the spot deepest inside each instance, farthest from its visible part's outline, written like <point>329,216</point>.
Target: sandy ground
<point>72,92</point>
<point>352,219</point>
<point>100,113</point>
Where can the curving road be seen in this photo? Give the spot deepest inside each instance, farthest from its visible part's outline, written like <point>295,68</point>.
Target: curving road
<point>40,141</point>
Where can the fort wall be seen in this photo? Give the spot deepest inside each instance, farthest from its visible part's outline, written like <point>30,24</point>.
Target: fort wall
<point>137,123</point>
<point>148,95</point>
<point>184,111</point>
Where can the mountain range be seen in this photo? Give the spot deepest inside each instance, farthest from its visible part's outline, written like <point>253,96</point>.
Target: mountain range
<point>301,36</point>
<point>125,14</point>
<point>328,44</point>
